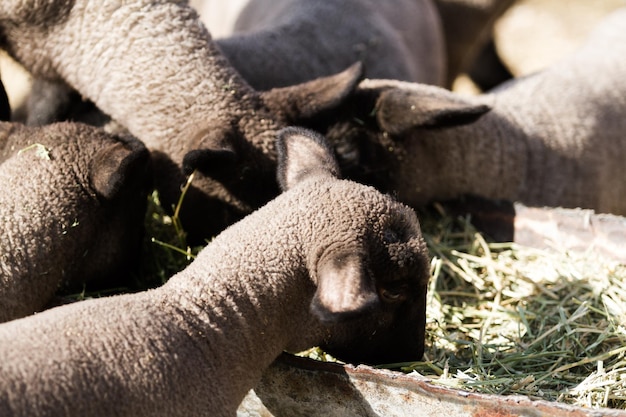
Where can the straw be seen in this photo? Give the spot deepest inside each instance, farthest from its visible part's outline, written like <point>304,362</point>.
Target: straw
<point>504,319</point>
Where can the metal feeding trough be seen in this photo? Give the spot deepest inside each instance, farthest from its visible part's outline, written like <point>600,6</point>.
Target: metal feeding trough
<point>574,230</point>
<point>299,387</point>
<point>295,386</point>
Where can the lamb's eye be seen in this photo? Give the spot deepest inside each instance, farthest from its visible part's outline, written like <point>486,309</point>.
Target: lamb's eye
<point>244,172</point>
<point>392,295</point>
<point>390,236</point>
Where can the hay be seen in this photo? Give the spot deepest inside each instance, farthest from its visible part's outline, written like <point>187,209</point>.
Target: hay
<point>165,246</point>
<point>40,151</point>
<point>164,253</point>
<point>504,319</point>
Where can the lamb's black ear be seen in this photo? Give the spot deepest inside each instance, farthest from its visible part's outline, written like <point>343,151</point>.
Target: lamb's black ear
<point>303,153</point>
<point>306,100</point>
<point>345,287</point>
<point>214,153</point>
<point>5,107</point>
<point>401,109</point>
<point>117,164</point>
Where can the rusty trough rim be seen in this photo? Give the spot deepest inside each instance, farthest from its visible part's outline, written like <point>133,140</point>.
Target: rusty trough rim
<point>423,391</point>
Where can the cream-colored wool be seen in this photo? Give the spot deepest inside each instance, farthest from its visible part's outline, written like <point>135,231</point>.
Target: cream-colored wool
<point>328,262</point>
<point>71,210</point>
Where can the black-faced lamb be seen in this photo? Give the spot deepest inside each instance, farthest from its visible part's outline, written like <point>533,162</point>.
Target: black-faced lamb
<point>153,67</point>
<point>71,210</point>
<point>328,262</point>
<point>554,138</point>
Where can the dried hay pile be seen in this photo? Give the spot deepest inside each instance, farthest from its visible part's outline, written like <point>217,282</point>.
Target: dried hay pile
<point>503,319</point>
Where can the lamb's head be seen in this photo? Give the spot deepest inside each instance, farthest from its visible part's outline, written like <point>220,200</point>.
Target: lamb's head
<point>72,211</point>
<point>397,136</point>
<point>91,185</point>
<point>372,291</point>
<point>369,261</point>
<point>234,168</point>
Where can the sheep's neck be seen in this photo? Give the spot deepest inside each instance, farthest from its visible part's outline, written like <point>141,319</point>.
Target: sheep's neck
<point>248,304</point>
<point>569,123</point>
<point>163,73</point>
<point>526,149</point>
<point>442,164</point>
<point>510,153</point>
<point>492,158</point>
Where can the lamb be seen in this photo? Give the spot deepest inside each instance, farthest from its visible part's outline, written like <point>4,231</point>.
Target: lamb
<point>71,208</point>
<point>555,138</point>
<point>153,67</point>
<point>328,262</point>
<point>286,42</point>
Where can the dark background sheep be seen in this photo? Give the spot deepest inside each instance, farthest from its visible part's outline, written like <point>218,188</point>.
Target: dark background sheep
<point>286,42</point>
<point>329,262</point>
<point>71,210</point>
